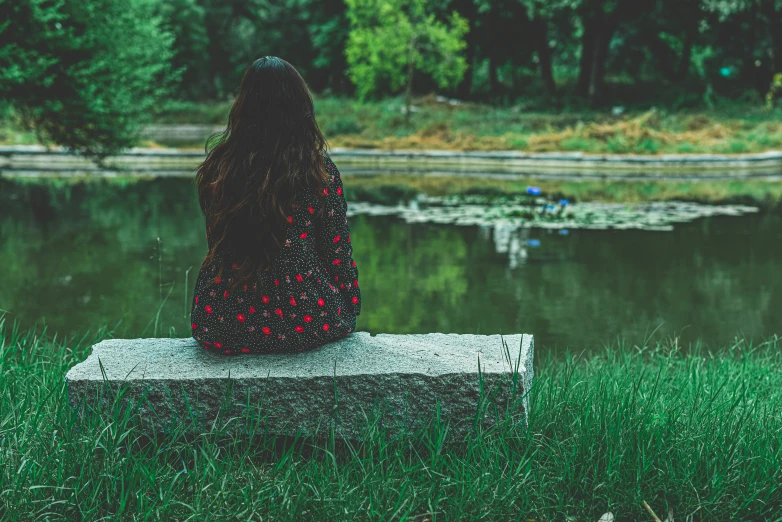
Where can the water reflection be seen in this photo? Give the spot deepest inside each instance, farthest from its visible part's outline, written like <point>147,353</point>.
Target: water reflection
<point>513,240</point>
<point>79,256</point>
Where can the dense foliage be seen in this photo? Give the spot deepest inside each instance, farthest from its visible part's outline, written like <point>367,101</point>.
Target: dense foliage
<point>84,74</point>
<point>597,50</point>
<point>389,42</point>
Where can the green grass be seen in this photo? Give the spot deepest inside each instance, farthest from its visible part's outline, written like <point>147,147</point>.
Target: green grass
<point>11,135</point>
<point>698,433</point>
<point>734,128</point>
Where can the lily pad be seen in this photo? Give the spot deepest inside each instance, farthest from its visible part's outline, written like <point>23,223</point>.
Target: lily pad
<point>539,213</point>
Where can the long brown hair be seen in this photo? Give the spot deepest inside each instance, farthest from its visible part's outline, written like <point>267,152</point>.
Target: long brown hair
<point>270,151</point>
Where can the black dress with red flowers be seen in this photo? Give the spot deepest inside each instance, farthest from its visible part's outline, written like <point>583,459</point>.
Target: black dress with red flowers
<point>308,297</point>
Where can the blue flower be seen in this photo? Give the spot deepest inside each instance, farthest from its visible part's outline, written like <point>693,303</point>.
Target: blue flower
<point>563,232</point>
<point>533,191</point>
<point>563,202</point>
<point>534,243</point>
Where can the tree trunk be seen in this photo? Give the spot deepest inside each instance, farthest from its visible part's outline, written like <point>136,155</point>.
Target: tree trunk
<point>492,76</point>
<point>465,87</point>
<point>597,77</point>
<point>409,86</point>
<point>599,29</point>
<point>464,90</point>
<point>587,57</point>
<point>774,21</point>
<point>491,24</point>
<point>540,31</point>
<point>686,57</point>
<point>604,33</point>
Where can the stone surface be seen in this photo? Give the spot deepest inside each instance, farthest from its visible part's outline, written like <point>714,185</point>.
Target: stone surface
<point>173,381</point>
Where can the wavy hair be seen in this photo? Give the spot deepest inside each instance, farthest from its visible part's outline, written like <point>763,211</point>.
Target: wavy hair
<point>271,150</point>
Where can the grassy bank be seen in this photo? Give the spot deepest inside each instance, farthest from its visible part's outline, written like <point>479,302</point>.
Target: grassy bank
<point>698,434</point>
<point>437,124</point>
<point>470,126</point>
<point>391,189</point>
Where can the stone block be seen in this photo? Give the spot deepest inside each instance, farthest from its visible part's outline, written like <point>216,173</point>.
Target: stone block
<point>396,379</point>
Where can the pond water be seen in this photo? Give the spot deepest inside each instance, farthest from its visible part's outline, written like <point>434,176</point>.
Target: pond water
<point>122,253</point>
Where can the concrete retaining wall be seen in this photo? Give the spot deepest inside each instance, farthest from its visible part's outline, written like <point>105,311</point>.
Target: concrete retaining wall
<point>173,382</point>
<point>36,160</point>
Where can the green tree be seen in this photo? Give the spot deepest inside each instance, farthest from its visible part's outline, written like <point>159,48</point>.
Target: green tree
<point>84,74</point>
<point>599,21</point>
<point>185,20</point>
<point>540,12</point>
<point>503,37</point>
<point>328,32</point>
<point>389,41</point>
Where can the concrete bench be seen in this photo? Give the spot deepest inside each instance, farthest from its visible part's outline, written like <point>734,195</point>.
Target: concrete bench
<point>173,383</point>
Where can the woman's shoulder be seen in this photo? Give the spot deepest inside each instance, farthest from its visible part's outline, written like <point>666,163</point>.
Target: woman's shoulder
<point>330,166</point>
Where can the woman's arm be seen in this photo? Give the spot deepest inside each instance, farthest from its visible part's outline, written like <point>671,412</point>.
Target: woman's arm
<point>334,246</point>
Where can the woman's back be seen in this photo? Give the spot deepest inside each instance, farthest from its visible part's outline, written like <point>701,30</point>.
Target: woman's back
<point>279,275</point>
<point>307,297</point>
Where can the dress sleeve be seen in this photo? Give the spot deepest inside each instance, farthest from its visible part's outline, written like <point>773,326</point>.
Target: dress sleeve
<point>334,246</point>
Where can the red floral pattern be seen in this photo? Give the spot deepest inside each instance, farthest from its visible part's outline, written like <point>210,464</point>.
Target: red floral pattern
<point>294,306</point>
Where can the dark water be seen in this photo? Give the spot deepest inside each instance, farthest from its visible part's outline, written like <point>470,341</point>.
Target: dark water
<point>79,256</point>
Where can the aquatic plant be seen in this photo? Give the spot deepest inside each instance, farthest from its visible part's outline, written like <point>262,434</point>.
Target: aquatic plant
<point>518,211</point>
